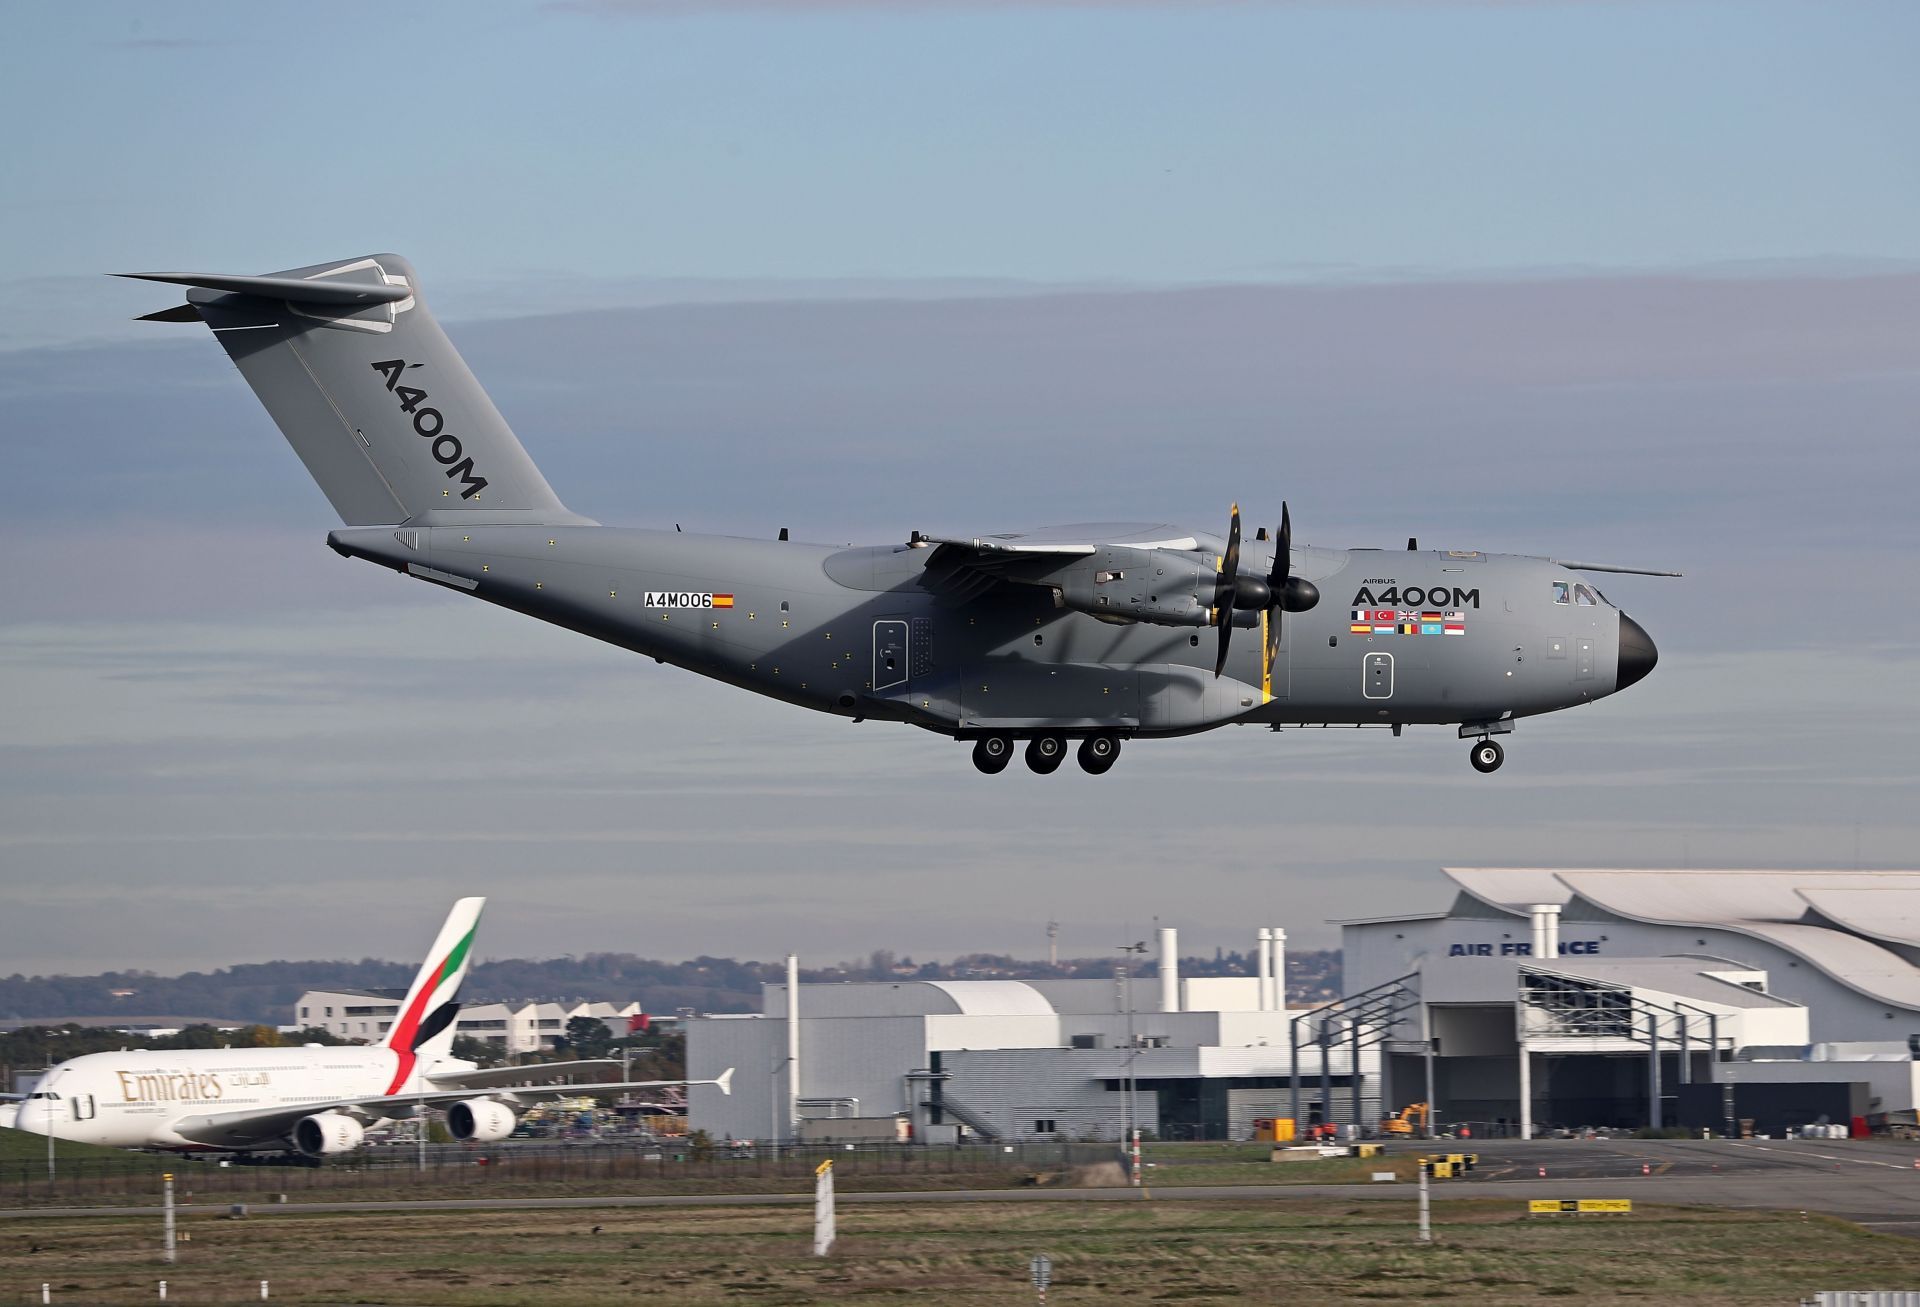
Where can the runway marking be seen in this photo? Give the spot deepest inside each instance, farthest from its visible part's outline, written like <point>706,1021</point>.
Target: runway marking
<point>1825,1157</point>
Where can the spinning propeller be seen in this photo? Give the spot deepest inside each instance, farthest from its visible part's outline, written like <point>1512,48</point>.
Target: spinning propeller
<point>1279,591</point>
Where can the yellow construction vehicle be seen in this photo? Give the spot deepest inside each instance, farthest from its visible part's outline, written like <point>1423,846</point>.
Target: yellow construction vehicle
<point>1404,1121</point>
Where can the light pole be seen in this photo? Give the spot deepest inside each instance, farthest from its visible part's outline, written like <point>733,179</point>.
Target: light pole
<point>1132,1140</point>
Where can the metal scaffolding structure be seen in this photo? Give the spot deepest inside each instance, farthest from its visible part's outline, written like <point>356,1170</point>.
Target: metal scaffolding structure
<point>1556,1006</point>
<point>1357,1021</point>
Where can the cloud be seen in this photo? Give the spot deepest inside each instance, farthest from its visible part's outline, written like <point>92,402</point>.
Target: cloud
<point>199,696</point>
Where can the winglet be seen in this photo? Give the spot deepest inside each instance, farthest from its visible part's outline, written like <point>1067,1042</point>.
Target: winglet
<point>725,1081</point>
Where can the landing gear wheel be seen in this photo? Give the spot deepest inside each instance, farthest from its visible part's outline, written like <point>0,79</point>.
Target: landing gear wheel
<point>1045,753</point>
<point>1098,752</point>
<point>992,753</point>
<point>1487,756</point>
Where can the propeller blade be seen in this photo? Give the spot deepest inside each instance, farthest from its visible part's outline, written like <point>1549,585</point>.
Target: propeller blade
<point>1277,583</point>
<point>1224,587</point>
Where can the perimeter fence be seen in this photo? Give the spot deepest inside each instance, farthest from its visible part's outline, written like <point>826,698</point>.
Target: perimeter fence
<point>478,1171</point>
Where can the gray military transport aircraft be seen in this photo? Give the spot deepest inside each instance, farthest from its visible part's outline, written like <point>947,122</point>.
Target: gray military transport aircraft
<point>1088,633</point>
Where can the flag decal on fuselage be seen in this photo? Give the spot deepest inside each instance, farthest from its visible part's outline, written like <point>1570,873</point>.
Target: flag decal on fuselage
<point>687,599</point>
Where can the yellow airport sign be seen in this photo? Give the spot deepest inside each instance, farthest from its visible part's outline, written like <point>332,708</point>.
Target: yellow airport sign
<point>1582,1206</point>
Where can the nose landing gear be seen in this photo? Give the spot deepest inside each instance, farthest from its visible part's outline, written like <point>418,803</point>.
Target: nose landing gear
<point>1487,755</point>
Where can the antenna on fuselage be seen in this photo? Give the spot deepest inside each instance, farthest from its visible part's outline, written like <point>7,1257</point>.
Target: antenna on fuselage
<point>1413,542</point>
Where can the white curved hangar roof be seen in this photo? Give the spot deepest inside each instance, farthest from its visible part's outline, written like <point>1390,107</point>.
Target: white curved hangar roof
<point>1879,912</point>
<point>1511,889</point>
<point>994,998</point>
<point>1836,921</point>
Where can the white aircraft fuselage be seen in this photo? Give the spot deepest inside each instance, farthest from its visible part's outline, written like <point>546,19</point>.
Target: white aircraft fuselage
<point>134,1099</point>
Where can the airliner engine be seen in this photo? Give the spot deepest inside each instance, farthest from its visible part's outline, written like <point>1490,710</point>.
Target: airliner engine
<point>327,1132</point>
<point>481,1120</point>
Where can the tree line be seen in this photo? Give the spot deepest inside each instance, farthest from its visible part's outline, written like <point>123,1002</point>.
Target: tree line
<point>265,993</point>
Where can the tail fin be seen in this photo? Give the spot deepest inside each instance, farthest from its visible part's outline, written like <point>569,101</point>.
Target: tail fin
<point>424,1027</point>
<point>370,393</point>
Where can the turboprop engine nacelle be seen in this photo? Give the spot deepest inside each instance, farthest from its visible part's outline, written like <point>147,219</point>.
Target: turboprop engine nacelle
<point>481,1120</point>
<point>1162,586</point>
<point>328,1132</point>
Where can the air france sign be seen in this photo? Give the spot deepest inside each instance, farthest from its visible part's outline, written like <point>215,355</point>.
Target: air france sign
<point>1522,949</point>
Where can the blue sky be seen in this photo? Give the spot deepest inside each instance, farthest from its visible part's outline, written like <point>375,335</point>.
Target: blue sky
<point>1636,282</point>
<point>1128,141</point>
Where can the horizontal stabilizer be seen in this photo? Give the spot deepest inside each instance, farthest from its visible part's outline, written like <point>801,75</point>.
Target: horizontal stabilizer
<point>299,290</point>
<point>178,313</point>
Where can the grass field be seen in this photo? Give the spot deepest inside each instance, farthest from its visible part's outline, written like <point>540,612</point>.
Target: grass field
<point>17,1146</point>
<point>105,1176</point>
<point>957,1255</point>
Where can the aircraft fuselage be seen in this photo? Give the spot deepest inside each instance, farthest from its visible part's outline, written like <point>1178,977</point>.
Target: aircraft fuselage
<point>1466,638</point>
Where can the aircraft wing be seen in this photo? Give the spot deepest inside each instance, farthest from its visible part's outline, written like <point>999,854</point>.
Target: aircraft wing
<point>1081,538</point>
<point>964,566</point>
<point>241,1129</point>
<point>509,1076</point>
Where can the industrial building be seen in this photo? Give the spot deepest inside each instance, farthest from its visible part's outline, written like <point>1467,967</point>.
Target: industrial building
<point>1530,998</point>
<point>1197,1058</point>
<point>1697,999</point>
<point>365,1015</point>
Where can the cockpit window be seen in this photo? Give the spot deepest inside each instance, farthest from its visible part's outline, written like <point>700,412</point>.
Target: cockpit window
<point>1560,592</point>
<point>1585,596</point>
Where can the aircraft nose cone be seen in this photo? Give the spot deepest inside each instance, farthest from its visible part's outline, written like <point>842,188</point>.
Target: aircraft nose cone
<point>1637,653</point>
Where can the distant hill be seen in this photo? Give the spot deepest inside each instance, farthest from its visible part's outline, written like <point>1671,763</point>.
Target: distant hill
<point>266,991</point>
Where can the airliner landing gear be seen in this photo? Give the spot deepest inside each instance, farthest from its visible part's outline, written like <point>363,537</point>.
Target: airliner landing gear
<point>1097,753</point>
<point>992,753</point>
<point>1487,755</point>
<point>1045,753</point>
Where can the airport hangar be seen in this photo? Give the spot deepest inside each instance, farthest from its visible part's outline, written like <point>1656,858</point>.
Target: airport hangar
<point>1784,998</point>
<point>366,1015</point>
<point>936,1060</point>
<point>1542,996</point>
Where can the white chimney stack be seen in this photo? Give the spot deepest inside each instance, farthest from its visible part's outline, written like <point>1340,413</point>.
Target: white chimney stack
<point>1546,933</point>
<point>1169,970</point>
<point>1277,967</point>
<point>1266,975</point>
<point>793,1044</point>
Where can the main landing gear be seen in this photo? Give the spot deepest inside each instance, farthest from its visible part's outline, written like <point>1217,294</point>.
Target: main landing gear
<point>1045,753</point>
<point>992,753</point>
<point>1099,752</point>
<point>1487,755</point>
